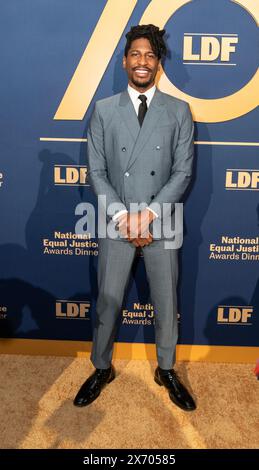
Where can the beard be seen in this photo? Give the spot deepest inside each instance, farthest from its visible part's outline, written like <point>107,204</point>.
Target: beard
<point>141,84</point>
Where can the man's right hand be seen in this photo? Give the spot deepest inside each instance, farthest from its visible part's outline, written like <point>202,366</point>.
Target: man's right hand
<point>122,224</point>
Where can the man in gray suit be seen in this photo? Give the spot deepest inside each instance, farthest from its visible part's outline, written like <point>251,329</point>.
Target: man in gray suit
<point>140,151</point>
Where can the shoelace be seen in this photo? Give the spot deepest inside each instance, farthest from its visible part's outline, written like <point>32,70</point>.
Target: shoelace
<point>173,377</point>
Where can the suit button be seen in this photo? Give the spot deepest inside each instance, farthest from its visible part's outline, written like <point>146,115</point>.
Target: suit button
<point>152,172</point>
<point>126,174</point>
<point>123,149</point>
<point>152,197</point>
<point>158,147</point>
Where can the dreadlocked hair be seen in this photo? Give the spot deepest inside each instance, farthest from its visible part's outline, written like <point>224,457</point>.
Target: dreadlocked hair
<point>150,32</point>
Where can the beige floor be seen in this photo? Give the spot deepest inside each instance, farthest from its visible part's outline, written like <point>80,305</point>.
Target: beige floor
<point>36,396</point>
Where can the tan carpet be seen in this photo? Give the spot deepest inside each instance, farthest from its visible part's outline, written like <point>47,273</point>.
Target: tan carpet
<point>36,395</point>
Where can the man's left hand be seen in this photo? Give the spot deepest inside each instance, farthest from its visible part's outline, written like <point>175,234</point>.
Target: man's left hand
<point>140,236</point>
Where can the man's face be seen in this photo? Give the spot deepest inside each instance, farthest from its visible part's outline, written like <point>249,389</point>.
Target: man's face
<point>141,65</point>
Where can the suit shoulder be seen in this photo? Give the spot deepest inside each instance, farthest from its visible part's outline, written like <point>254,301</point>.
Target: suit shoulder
<point>176,107</point>
<point>107,102</point>
<point>106,107</point>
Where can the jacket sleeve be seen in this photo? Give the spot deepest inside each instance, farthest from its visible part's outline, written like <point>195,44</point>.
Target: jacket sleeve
<point>181,170</point>
<point>97,165</point>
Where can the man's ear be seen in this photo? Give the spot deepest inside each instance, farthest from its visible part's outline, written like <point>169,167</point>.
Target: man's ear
<point>124,62</point>
<point>159,66</point>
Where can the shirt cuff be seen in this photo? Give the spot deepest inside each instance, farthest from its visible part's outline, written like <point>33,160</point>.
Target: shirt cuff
<point>118,214</point>
<point>151,210</point>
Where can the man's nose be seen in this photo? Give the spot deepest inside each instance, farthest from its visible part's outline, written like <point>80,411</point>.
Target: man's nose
<point>142,60</point>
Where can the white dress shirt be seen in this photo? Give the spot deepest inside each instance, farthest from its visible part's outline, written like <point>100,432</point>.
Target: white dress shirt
<point>134,94</point>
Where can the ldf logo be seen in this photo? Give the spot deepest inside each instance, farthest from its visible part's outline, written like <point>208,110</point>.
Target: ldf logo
<point>210,48</point>
<point>66,175</point>
<point>76,309</point>
<point>242,179</point>
<point>234,314</point>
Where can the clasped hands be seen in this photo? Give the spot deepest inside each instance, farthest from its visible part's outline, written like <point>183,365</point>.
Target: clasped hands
<point>135,227</point>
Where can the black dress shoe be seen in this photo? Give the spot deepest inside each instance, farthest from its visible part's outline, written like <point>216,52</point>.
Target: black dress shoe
<point>177,391</point>
<point>92,387</point>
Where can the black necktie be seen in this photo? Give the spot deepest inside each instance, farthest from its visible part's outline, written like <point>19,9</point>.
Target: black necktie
<point>142,108</point>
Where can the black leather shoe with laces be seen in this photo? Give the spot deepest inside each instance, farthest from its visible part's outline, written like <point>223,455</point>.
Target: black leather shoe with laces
<point>93,386</point>
<point>177,391</point>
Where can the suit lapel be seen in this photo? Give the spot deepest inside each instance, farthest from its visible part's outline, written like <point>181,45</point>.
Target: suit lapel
<point>128,114</point>
<point>139,134</point>
<point>152,117</point>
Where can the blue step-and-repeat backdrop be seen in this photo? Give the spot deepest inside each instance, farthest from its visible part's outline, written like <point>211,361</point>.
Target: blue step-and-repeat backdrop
<point>57,58</point>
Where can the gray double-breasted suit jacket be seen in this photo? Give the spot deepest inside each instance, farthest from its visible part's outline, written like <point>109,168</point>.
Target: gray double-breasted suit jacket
<point>128,164</point>
<point>151,164</point>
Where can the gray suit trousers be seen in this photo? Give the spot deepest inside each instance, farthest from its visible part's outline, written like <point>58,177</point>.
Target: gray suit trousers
<point>114,267</point>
